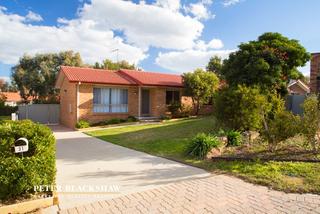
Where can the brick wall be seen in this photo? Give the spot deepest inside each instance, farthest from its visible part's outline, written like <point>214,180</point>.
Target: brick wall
<point>68,103</point>
<point>315,71</point>
<point>158,102</point>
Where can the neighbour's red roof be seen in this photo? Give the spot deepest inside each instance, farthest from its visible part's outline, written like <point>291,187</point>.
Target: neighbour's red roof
<point>153,78</point>
<point>90,75</point>
<point>121,77</point>
<point>12,96</point>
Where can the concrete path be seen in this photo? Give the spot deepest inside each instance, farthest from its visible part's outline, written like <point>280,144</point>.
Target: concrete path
<point>215,194</point>
<point>84,161</point>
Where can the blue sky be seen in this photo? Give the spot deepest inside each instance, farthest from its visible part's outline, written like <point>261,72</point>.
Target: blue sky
<point>159,35</point>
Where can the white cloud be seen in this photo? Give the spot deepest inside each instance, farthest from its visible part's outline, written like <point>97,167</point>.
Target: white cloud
<point>200,10</point>
<point>213,44</point>
<point>228,3</point>
<point>33,17</point>
<point>143,24</point>
<point>189,60</point>
<point>173,5</point>
<point>17,38</point>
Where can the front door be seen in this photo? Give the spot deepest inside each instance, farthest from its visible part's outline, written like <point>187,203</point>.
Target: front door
<point>145,102</point>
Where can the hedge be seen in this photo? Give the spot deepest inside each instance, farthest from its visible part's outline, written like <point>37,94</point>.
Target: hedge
<point>7,110</point>
<point>19,175</point>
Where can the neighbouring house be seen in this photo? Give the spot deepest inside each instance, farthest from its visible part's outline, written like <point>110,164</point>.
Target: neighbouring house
<point>97,95</point>
<point>297,87</point>
<point>315,73</point>
<point>12,98</point>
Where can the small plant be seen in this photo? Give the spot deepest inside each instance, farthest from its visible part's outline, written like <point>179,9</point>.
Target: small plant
<point>311,121</point>
<point>175,109</point>
<point>132,119</point>
<point>113,121</point>
<point>202,144</point>
<point>100,123</point>
<point>165,117</point>
<point>234,138</point>
<point>284,125</point>
<point>123,120</point>
<point>82,124</point>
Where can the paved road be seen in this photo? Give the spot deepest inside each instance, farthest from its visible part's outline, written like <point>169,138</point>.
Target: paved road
<point>86,161</point>
<point>216,194</point>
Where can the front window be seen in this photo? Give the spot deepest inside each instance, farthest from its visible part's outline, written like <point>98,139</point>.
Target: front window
<point>172,97</point>
<point>113,100</point>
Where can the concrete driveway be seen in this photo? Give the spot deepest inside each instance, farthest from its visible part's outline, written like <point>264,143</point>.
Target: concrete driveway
<point>86,161</point>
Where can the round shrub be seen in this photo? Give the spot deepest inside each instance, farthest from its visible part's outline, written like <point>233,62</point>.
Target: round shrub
<point>234,138</point>
<point>113,121</point>
<point>19,175</point>
<point>202,144</point>
<point>132,119</point>
<point>82,124</point>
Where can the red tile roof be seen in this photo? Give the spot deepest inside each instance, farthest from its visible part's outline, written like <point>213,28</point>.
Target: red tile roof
<point>12,96</point>
<point>121,77</point>
<point>90,75</point>
<point>153,78</point>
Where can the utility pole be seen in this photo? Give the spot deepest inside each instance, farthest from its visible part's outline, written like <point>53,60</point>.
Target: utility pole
<point>117,50</point>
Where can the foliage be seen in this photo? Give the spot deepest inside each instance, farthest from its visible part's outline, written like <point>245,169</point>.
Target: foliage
<point>19,175</point>
<point>215,65</point>
<point>283,126</point>
<point>82,124</point>
<point>175,108</point>
<point>202,144</point>
<point>234,138</point>
<point>270,62</point>
<point>200,85</point>
<point>241,108</point>
<point>132,119</point>
<point>6,86</point>
<point>110,65</point>
<point>311,120</point>
<point>165,117</point>
<point>4,109</point>
<point>35,76</point>
<point>113,121</point>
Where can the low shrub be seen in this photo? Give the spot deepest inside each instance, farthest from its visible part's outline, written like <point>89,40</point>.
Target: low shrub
<point>113,121</point>
<point>311,121</point>
<point>82,124</point>
<point>100,123</point>
<point>19,175</point>
<point>123,120</point>
<point>132,119</point>
<point>284,125</point>
<point>8,110</point>
<point>175,109</point>
<point>234,138</point>
<point>202,144</point>
<point>165,117</point>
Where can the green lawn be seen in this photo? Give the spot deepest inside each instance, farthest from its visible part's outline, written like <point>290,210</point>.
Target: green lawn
<point>170,140</point>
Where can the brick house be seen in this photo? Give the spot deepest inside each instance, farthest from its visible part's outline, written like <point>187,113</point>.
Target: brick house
<point>298,87</point>
<point>96,95</point>
<point>315,73</point>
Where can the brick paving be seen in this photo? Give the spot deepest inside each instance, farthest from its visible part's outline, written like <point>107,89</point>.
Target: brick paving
<point>216,194</point>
